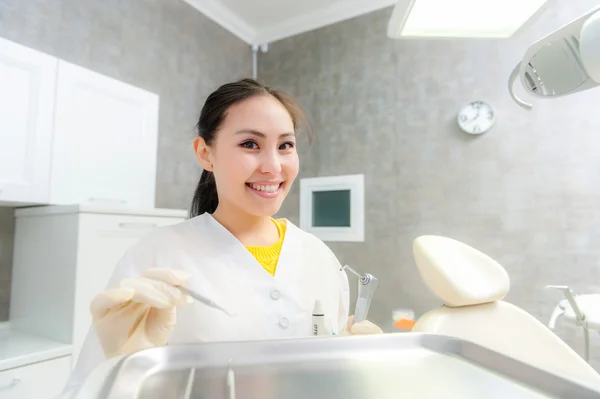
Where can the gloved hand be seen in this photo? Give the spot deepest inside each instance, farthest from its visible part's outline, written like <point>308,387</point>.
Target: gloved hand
<point>140,313</point>
<point>364,327</point>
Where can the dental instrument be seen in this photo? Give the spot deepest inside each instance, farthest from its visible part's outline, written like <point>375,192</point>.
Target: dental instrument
<point>367,284</point>
<point>204,299</point>
<point>566,61</point>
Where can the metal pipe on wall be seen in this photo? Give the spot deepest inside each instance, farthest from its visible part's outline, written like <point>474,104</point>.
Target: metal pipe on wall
<point>255,47</point>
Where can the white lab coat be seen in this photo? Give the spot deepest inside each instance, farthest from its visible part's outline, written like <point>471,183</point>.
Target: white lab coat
<point>221,268</point>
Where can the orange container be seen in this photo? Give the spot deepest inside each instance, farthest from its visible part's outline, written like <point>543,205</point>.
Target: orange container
<point>404,324</point>
<point>403,318</point>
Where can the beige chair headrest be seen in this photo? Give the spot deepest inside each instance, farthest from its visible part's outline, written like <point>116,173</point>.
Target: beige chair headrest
<point>457,273</point>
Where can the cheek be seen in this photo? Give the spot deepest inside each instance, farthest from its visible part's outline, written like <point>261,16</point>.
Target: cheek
<point>291,166</point>
<point>235,170</point>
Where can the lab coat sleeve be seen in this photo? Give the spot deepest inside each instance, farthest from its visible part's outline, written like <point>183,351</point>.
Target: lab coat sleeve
<point>137,259</point>
<point>341,285</point>
<point>343,291</point>
<point>344,306</point>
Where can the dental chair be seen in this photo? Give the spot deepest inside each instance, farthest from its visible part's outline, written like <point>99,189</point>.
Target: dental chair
<point>472,287</point>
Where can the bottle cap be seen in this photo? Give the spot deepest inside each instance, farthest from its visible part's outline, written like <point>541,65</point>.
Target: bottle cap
<point>318,309</point>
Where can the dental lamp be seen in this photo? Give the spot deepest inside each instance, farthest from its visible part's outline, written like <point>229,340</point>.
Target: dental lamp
<point>564,62</point>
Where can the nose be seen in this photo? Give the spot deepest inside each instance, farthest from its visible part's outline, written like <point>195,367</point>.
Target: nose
<point>270,162</point>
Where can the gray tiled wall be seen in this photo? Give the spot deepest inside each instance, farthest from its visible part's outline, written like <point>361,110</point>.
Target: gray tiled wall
<point>527,192</point>
<point>164,46</point>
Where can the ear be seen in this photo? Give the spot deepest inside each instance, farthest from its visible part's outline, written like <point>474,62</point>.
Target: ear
<point>202,151</point>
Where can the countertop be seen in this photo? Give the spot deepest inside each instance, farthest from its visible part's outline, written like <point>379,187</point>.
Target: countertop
<point>99,209</point>
<point>20,349</point>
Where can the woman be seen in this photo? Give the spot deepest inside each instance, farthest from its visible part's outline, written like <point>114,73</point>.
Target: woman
<point>262,275</point>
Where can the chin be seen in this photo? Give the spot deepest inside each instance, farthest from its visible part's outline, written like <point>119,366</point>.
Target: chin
<point>264,211</point>
<point>260,208</point>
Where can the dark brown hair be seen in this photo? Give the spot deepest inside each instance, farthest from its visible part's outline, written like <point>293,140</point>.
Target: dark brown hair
<point>212,116</point>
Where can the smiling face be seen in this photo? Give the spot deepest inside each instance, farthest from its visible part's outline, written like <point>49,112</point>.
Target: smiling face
<point>253,156</point>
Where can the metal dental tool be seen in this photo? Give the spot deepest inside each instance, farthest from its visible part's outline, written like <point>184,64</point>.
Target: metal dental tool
<point>205,300</point>
<point>367,284</point>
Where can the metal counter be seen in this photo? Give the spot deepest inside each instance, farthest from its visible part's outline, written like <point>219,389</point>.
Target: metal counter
<point>362,367</point>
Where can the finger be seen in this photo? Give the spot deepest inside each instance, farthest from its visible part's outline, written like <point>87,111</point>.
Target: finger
<point>365,328</point>
<point>110,299</point>
<point>345,333</point>
<point>175,296</point>
<point>349,323</point>
<point>160,324</point>
<point>169,276</point>
<point>155,293</point>
<point>146,292</point>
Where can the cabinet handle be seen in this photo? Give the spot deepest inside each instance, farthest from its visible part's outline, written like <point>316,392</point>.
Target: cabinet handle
<point>137,226</point>
<point>108,200</point>
<point>14,382</point>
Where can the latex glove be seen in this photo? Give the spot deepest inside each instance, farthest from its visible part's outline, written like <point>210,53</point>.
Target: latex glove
<point>364,327</point>
<point>140,313</point>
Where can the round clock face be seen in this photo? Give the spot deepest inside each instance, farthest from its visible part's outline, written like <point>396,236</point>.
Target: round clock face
<point>476,118</point>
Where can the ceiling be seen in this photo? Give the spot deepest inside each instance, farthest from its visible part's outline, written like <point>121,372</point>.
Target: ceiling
<point>265,21</point>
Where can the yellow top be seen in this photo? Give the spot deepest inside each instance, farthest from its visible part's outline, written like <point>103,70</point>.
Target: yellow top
<point>268,255</point>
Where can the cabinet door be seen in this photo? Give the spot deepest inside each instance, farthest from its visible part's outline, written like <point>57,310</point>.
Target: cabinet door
<point>103,240</point>
<point>44,380</point>
<point>105,141</point>
<point>27,84</point>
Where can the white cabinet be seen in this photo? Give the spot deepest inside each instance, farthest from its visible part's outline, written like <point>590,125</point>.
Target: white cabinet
<point>69,135</point>
<point>31,366</point>
<point>105,140</point>
<point>27,89</point>
<point>63,256</point>
<point>44,380</point>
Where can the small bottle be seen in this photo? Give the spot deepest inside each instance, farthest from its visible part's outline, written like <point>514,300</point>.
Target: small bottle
<point>318,320</point>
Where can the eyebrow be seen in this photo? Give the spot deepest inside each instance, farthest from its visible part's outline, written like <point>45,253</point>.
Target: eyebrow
<point>260,134</point>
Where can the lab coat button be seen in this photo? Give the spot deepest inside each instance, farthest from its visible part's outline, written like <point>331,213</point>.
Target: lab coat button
<point>284,322</point>
<point>275,294</point>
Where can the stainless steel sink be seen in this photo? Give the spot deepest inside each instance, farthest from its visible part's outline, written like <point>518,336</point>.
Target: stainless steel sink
<point>384,367</point>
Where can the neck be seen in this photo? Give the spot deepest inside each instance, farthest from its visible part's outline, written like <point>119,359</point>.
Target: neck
<point>251,230</point>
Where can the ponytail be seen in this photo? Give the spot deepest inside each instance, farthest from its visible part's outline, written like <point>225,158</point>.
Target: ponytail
<point>205,199</point>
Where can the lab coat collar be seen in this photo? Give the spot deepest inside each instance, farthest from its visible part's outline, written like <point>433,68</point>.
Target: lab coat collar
<point>232,248</point>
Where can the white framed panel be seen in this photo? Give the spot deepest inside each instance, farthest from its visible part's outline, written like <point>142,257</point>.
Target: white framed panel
<point>105,141</point>
<point>355,232</point>
<point>27,90</point>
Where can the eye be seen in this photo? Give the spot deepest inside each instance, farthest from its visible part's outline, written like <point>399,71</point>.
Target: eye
<point>250,144</point>
<point>288,145</point>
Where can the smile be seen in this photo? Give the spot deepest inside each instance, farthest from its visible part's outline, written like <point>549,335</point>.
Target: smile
<point>265,190</point>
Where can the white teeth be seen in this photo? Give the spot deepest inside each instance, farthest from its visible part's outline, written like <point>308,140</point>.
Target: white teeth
<point>271,188</point>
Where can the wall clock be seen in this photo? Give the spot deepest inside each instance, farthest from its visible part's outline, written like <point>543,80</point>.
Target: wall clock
<point>476,117</point>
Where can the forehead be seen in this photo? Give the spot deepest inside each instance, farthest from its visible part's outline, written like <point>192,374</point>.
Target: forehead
<point>262,113</point>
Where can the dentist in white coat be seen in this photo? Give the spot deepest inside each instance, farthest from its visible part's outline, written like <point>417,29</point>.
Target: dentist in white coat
<point>263,274</point>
